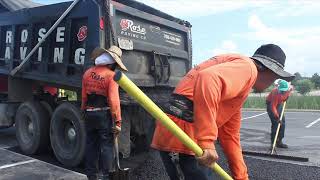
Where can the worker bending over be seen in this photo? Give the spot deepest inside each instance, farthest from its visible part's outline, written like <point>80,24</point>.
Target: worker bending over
<point>206,104</point>
<point>274,102</point>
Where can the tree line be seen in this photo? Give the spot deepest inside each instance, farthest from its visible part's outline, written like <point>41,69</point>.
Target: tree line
<point>305,84</point>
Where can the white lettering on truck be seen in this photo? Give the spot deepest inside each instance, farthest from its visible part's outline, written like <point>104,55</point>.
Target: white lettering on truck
<point>58,55</point>
<point>23,52</point>
<point>60,34</point>
<point>40,54</point>
<point>58,52</point>
<point>7,54</point>
<point>41,33</point>
<point>79,53</point>
<point>9,37</point>
<point>24,36</point>
<point>79,56</point>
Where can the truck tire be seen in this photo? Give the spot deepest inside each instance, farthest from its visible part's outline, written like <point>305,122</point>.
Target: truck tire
<point>67,134</point>
<point>32,127</point>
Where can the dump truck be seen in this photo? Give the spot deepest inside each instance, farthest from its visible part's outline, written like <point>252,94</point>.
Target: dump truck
<point>46,48</point>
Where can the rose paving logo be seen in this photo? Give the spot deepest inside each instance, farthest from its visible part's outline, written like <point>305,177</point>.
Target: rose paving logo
<point>82,34</point>
<point>127,24</point>
<point>124,23</point>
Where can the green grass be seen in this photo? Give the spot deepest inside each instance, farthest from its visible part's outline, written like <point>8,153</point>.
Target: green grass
<point>294,102</point>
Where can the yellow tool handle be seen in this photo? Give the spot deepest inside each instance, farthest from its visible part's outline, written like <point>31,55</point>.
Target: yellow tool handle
<point>127,85</point>
<point>278,129</point>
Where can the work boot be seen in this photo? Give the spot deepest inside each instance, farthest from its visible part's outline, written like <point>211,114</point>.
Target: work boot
<point>280,144</point>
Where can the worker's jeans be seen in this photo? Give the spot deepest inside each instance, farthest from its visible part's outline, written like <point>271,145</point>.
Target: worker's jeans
<point>274,122</point>
<point>189,167</point>
<point>99,143</point>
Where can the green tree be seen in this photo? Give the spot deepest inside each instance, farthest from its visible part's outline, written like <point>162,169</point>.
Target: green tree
<point>304,86</point>
<point>316,80</point>
<point>297,78</point>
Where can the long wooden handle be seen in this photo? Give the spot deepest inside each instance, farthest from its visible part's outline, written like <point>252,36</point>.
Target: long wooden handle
<point>278,129</point>
<point>127,85</point>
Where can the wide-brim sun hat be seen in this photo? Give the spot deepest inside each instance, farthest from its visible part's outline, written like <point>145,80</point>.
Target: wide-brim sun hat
<point>273,58</point>
<point>115,53</point>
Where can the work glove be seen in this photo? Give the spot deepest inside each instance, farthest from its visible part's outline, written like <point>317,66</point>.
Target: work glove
<point>116,130</point>
<point>278,120</point>
<point>208,157</point>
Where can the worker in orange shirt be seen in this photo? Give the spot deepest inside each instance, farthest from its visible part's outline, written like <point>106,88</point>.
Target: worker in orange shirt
<point>274,102</point>
<point>101,104</point>
<point>206,104</point>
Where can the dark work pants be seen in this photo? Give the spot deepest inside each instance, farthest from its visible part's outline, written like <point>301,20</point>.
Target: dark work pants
<point>99,143</point>
<point>274,122</point>
<point>189,166</point>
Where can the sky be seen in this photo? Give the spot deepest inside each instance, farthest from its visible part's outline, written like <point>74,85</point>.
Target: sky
<point>241,26</point>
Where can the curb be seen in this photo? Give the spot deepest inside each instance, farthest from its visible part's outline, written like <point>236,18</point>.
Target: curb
<point>288,110</point>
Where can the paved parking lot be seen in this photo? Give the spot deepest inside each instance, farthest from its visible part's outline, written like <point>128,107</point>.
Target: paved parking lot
<point>15,166</point>
<point>302,134</point>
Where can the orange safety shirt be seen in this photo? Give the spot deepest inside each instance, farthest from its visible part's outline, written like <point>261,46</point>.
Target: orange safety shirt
<point>99,80</point>
<point>276,98</point>
<point>218,88</point>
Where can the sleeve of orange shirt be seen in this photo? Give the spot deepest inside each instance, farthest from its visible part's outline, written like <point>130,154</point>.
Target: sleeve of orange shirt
<point>229,138</point>
<point>84,97</point>
<point>217,83</point>
<point>114,101</point>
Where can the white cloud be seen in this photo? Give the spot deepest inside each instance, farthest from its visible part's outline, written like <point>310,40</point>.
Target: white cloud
<point>254,22</point>
<point>299,43</point>
<point>298,8</point>
<point>227,46</point>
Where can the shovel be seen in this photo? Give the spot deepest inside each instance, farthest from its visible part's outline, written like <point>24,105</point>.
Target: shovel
<point>117,173</point>
<point>278,129</point>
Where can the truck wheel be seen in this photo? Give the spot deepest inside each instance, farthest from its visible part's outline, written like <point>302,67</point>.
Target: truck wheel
<point>32,127</point>
<point>67,133</point>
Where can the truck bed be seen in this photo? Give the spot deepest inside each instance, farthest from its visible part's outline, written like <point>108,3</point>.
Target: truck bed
<point>156,46</point>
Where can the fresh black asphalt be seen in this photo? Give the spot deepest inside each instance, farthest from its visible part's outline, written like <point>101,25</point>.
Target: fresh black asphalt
<point>303,141</point>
